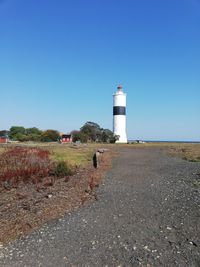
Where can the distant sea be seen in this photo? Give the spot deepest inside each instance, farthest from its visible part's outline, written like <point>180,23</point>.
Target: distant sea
<point>163,141</point>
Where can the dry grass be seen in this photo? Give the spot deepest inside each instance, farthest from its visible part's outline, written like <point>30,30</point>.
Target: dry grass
<point>75,155</point>
<point>190,152</point>
<point>81,155</point>
<point>187,151</point>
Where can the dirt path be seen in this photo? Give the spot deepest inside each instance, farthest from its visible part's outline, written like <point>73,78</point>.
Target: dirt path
<point>147,214</point>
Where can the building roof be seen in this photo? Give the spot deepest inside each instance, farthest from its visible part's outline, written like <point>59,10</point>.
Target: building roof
<point>66,135</point>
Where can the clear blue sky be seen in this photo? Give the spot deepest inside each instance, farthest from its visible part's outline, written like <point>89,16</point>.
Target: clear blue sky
<point>61,60</point>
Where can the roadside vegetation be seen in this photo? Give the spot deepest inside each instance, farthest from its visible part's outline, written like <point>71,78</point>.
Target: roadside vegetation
<point>39,154</point>
<point>190,152</point>
<point>32,162</point>
<point>40,182</point>
<point>186,151</point>
<point>20,164</point>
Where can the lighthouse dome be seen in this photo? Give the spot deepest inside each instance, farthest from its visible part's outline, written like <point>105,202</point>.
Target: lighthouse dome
<point>119,90</point>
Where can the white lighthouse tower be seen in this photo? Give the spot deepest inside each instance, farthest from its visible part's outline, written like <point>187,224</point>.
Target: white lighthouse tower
<point>119,115</point>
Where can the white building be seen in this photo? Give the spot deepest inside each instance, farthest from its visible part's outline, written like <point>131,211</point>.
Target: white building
<point>119,115</point>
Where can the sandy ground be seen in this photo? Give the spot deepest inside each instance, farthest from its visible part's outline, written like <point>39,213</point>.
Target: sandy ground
<point>147,214</point>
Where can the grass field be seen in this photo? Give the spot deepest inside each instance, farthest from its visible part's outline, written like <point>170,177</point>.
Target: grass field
<point>81,155</point>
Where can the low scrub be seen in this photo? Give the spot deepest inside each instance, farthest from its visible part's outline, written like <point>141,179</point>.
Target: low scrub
<point>63,169</point>
<point>22,164</point>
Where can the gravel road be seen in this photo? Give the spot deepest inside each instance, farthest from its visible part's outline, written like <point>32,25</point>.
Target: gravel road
<point>147,214</point>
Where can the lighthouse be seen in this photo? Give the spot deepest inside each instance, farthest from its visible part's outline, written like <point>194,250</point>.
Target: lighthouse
<point>119,115</point>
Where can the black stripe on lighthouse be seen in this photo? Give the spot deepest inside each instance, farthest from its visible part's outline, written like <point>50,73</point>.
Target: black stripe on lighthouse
<point>118,110</point>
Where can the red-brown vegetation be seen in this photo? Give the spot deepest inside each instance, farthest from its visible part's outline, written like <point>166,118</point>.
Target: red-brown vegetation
<point>24,164</point>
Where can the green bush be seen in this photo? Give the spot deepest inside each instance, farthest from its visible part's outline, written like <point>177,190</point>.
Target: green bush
<point>50,136</point>
<point>193,160</point>
<point>63,169</point>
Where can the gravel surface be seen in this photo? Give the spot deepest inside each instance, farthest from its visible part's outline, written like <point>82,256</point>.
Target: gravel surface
<point>147,214</point>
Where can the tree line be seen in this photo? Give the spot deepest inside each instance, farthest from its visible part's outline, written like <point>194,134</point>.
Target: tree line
<point>89,132</point>
<point>92,132</point>
<point>22,134</point>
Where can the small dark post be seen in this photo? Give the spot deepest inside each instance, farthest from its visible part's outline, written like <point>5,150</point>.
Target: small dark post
<point>95,160</point>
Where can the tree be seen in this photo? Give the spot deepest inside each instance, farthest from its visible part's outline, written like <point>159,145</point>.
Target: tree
<point>107,136</point>
<point>92,130</point>
<point>115,138</point>
<point>21,134</point>
<point>34,134</point>
<point>21,137</point>
<point>33,131</point>
<point>16,131</point>
<point>50,136</point>
<point>79,136</point>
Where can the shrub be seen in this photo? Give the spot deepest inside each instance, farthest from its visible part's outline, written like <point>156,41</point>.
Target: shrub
<point>50,136</point>
<point>63,169</point>
<point>24,164</point>
<point>193,160</point>
<point>79,136</point>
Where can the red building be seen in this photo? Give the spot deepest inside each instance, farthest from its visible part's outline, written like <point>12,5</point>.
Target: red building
<point>3,139</point>
<point>66,138</point>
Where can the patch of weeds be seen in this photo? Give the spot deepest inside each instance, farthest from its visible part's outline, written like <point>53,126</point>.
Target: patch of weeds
<point>63,169</point>
<point>19,164</point>
<point>196,183</point>
<point>193,160</point>
<point>183,150</point>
